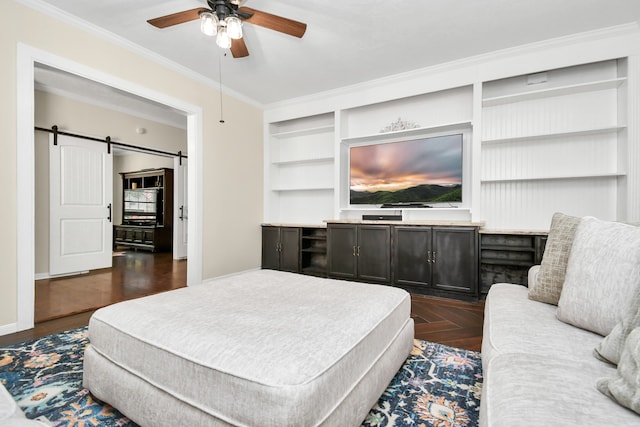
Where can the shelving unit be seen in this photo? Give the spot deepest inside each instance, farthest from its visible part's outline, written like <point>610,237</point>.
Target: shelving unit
<point>147,205</point>
<point>313,251</point>
<point>506,258</point>
<point>299,171</point>
<point>579,132</point>
<point>535,144</point>
<point>555,91</point>
<point>563,142</point>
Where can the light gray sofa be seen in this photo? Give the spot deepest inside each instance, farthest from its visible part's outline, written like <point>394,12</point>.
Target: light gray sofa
<point>10,413</point>
<point>542,371</point>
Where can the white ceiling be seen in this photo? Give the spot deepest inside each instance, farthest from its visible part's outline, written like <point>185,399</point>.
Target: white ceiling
<point>348,42</point>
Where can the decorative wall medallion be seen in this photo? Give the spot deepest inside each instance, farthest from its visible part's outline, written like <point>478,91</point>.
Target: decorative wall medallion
<point>400,125</point>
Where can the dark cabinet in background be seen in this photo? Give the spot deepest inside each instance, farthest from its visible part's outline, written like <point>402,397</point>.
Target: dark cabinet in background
<point>281,248</point>
<point>361,252</point>
<point>147,210</point>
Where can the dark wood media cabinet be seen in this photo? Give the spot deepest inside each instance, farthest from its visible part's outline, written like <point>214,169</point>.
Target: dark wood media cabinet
<point>450,260</point>
<point>147,210</point>
<point>424,259</point>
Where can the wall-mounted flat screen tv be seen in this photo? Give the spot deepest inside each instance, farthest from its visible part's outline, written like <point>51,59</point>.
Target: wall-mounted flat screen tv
<point>426,170</point>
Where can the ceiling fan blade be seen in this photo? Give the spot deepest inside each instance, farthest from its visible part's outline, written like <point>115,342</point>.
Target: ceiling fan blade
<point>274,22</point>
<point>239,48</point>
<point>177,18</point>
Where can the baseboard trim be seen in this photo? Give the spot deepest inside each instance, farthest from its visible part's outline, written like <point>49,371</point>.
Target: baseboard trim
<point>8,329</point>
<point>42,276</point>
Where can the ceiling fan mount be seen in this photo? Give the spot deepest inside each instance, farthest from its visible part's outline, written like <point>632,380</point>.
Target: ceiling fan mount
<point>224,19</point>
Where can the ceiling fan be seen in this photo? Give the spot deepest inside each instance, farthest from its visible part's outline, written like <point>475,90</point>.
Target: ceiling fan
<point>224,18</point>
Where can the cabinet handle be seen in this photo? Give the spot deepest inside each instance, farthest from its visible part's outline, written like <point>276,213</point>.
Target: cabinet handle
<point>358,250</point>
<point>429,256</point>
<point>354,251</point>
<point>434,257</point>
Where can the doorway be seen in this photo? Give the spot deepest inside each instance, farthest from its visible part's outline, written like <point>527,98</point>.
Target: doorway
<point>27,58</point>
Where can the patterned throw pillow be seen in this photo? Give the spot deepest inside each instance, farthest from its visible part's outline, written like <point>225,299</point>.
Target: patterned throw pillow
<point>602,277</point>
<point>554,261</point>
<point>624,388</point>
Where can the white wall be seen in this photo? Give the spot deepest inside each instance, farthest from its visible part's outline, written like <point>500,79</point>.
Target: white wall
<point>231,152</point>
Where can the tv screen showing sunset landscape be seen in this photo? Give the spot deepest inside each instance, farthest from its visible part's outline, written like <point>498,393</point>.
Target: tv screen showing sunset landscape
<point>427,170</point>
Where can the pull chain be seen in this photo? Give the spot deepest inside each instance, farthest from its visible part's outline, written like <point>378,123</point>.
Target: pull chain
<point>220,75</point>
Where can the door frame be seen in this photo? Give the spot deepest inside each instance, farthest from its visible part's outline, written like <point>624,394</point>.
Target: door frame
<point>27,57</point>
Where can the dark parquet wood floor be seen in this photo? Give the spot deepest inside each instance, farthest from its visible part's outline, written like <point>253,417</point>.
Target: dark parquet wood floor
<point>66,303</point>
<point>447,321</point>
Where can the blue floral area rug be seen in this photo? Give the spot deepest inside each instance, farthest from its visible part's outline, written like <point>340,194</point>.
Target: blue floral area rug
<point>437,386</point>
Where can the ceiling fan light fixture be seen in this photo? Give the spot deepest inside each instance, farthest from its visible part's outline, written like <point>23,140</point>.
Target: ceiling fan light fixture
<point>222,39</point>
<point>234,27</point>
<point>209,23</point>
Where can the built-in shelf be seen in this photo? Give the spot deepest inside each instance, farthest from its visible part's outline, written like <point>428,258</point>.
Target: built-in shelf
<point>304,189</point>
<point>326,159</point>
<point>583,132</point>
<point>555,177</point>
<point>406,132</point>
<point>315,250</point>
<point>555,91</point>
<point>303,132</point>
<point>509,248</point>
<point>400,209</point>
<point>314,237</point>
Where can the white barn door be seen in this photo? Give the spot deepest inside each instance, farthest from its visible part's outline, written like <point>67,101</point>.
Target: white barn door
<point>81,211</point>
<point>180,208</point>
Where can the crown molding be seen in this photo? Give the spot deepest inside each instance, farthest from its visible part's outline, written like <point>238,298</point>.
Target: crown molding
<point>180,123</point>
<point>119,41</point>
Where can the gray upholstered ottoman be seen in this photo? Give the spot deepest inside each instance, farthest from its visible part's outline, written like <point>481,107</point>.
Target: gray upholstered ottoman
<point>265,348</point>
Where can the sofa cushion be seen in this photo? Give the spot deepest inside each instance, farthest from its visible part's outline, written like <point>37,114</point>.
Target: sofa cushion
<point>603,273</point>
<point>624,388</point>
<point>548,286</point>
<point>528,390</point>
<point>10,413</point>
<point>610,348</point>
<point>515,324</point>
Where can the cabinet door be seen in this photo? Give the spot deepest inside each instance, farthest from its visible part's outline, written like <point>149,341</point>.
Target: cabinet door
<point>120,233</point>
<point>149,237</point>
<point>374,253</point>
<point>454,262</point>
<point>341,252</point>
<point>412,256</point>
<point>270,246</point>
<point>290,249</point>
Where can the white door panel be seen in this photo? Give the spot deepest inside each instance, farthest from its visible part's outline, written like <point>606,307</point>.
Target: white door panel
<point>81,186</point>
<point>180,214</point>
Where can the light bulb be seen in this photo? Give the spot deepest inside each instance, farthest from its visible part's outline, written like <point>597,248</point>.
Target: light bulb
<point>234,27</point>
<point>222,39</point>
<point>208,23</point>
